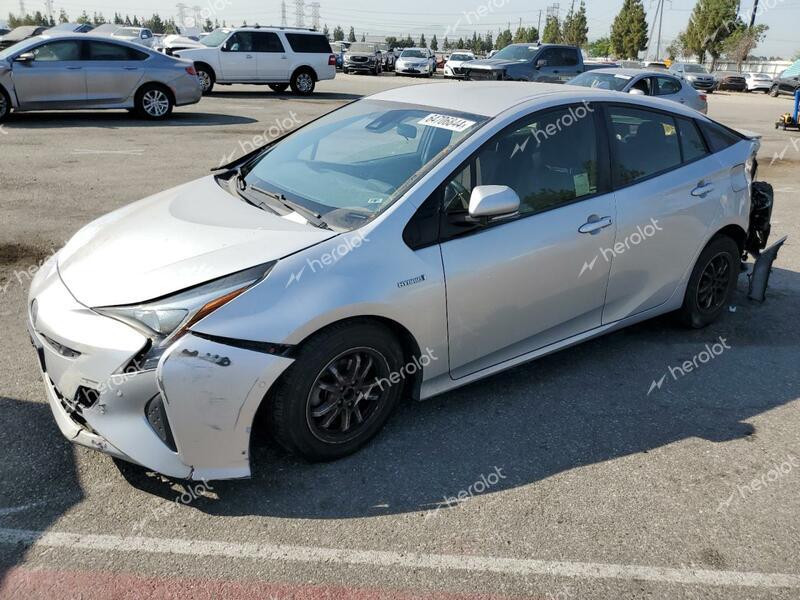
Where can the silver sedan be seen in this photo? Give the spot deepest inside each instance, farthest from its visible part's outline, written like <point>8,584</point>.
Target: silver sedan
<point>659,84</point>
<point>76,71</point>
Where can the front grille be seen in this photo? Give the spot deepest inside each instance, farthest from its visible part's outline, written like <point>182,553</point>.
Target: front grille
<point>359,59</point>
<point>484,75</point>
<point>157,417</point>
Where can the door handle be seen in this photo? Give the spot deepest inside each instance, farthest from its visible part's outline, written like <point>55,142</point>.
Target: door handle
<point>595,224</point>
<point>248,56</point>
<point>74,68</point>
<point>283,57</point>
<point>702,190</point>
<point>131,68</point>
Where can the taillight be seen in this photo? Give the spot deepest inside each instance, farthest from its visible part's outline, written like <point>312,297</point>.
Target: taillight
<point>332,60</point>
<point>190,70</point>
<point>703,97</point>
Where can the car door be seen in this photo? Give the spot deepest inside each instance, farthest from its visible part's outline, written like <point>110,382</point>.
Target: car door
<point>518,284</point>
<point>561,64</point>
<point>271,58</point>
<point>668,88</point>
<point>113,71</point>
<point>55,78</point>
<point>668,188</point>
<point>237,58</point>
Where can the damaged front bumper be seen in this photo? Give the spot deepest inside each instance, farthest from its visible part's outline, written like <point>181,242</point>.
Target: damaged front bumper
<point>191,418</point>
<point>760,226</point>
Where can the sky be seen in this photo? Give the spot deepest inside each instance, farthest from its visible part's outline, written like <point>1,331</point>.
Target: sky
<point>440,17</point>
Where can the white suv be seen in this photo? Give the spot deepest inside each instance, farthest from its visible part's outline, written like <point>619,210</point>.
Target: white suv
<point>279,57</point>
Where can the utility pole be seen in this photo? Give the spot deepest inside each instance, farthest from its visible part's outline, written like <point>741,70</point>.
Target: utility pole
<point>48,4</point>
<point>753,14</point>
<point>658,18</point>
<point>539,28</point>
<point>283,13</point>
<point>299,13</point>
<point>315,16</point>
<point>22,12</point>
<point>181,14</point>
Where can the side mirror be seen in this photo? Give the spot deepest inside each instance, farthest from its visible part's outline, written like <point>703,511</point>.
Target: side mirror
<point>25,57</point>
<point>637,92</point>
<point>489,201</point>
<point>541,63</point>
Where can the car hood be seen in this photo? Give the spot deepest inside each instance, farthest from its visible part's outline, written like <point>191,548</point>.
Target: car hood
<point>413,60</point>
<point>458,63</point>
<point>367,54</point>
<point>174,240</point>
<point>490,64</point>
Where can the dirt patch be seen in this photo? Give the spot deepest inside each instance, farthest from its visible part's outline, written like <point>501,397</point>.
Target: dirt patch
<point>15,253</point>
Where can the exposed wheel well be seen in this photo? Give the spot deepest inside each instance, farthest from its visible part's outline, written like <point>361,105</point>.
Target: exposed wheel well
<point>736,233</point>
<point>155,84</point>
<point>306,68</point>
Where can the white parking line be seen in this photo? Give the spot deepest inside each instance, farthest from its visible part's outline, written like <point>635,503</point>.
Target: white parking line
<point>134,152</point>
<point>382,558</point>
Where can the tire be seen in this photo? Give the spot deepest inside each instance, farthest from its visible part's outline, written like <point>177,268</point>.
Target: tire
<point>278,87</point>
<point>207,78</point>
<point>303,82</point>
<point>773,91</point>
<point>5,105</point>
<point>154,102</point>
<point>345,71</point>
<point>712,283</point>
<point>293,421</point>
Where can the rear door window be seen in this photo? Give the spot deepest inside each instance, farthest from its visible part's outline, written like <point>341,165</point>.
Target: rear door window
<point>644,144</point>
<point>107,51</point>
<point>266,41</point>
<point>718,137</point>
<point>666,86</point>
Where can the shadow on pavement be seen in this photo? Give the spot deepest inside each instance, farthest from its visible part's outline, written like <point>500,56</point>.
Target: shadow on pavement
<point>584,405</point>
<point>117,119</point>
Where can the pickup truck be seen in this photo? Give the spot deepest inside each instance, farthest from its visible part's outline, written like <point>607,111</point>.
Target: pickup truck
<point>546,63</point>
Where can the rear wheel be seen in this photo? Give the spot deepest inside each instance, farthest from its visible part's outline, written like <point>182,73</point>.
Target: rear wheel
<point>5,105</point>
<point>278,87</point>
<point>154,102</point>
<point>303,83</point>
<point>712,283</point>
<point>330,402</point>
<point>206,77</point>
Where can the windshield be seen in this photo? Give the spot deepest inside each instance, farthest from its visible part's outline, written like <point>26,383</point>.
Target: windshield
<point>413,54</point>
<point>215,38</point>
<point>353,163</point>
<point>695,69</point>
<point>361,48</point>
<point>603,81</point>
<point>461,57</point>
<point>519,52</point>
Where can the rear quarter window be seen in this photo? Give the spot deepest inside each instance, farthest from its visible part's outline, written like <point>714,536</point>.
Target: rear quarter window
<point>719,137</point>
<point>306,43</point>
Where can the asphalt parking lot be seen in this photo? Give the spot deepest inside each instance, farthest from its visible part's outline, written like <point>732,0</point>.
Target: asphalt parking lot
<point>579,478</point>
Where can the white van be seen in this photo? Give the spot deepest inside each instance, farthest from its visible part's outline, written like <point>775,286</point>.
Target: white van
<point>277,56</point>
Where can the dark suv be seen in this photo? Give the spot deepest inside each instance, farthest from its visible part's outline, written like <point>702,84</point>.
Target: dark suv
<point>363,57</point>
<point>788,82</point>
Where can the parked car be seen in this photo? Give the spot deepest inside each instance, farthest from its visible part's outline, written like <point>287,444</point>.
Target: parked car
<point>280,57</point>
<point>19,34</point>
<point>416,61</point>
<point>697,75</point>
<point>84,71</point>
<point>363,57</point>
<point>106,29</point>
<point>3,31</point>
<point>758,82</point>
<point>338,50</point>
<point>656,64</point>
<point>305,283</point>
<point>170,44</point>
<point>136,35</point>
<point>655,83</point>
<point>546,63</point>
<point>730,80</point>
<point>787,82</point>
<point>453,68</point>
<point>72,28</point>
<point>387,56</point>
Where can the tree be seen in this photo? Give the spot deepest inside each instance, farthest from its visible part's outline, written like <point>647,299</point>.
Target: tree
<point>629,30</point>
<point>600,48</point>
<point>363,37</point>
<point>742,42</point>
<point>325,31</point>
<point>677,48</point>
<point>575,29</point>
<point>711,23</point>
<point>422,42</point>
<point>338,34</point>
<point>552,31</point>
<point>796,55</point>
<point>351,37</point>
<point>62,16</point>
<point>84,19</point>
<point>504,38</point>
<point>434,43</point>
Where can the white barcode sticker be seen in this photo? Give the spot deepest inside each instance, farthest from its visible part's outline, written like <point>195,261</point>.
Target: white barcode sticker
<point>446,122</point>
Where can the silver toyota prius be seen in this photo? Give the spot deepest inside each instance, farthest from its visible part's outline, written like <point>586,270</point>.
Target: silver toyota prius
<point>57,71</point>
<point>398,247</point>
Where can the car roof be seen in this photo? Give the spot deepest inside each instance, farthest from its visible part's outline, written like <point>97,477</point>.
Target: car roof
<point>632,72</point>
<point>71,35</point>
<point>490,99</point>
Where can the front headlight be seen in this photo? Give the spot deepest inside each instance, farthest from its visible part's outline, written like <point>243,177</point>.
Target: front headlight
<point>166,319</point>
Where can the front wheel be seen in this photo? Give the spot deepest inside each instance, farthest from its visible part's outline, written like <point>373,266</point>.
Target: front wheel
<point>712,283</point>
<point>278,87</point>
<point>773,91</point>
<point>5,105</point>
<point>303,83</point>
<point>339,392</point>
<point>153,102</point>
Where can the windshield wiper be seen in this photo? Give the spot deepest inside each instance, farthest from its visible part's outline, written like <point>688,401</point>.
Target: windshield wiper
<point>309,215</point>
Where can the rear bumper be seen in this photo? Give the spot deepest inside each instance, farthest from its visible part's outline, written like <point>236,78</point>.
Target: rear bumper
<point>187,90</point>
<point>208,405</point>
